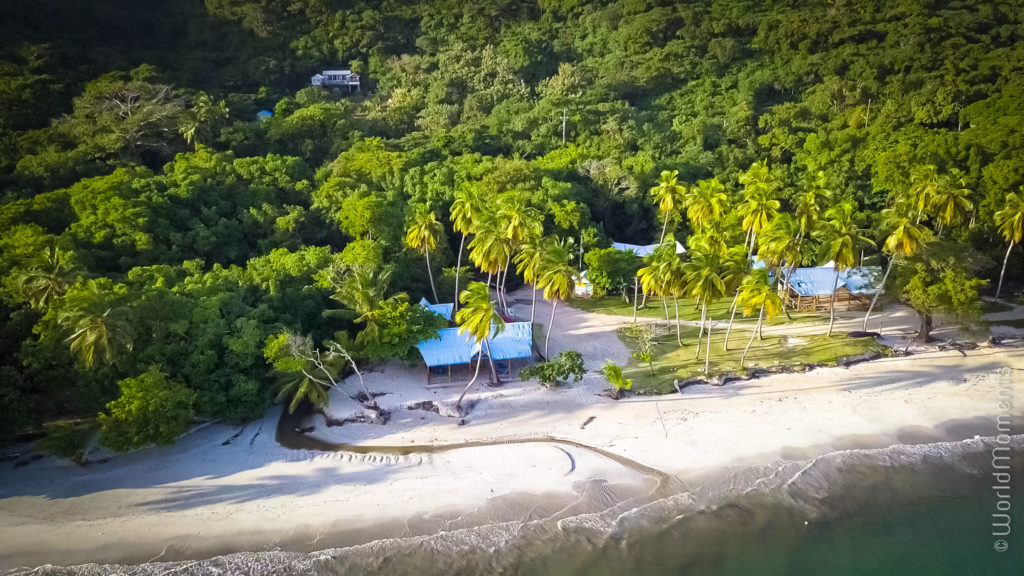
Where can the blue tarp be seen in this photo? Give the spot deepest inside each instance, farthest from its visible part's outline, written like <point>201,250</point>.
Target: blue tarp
<point>644,251</point>
<point>442,310</point>
<point>813,281</point>
<point>515,341</point>
<point>862,280</point>
<point>449,348</point>
<point>818,281</point>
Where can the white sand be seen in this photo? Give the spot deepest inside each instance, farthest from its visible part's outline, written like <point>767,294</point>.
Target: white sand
<point>204,499</point>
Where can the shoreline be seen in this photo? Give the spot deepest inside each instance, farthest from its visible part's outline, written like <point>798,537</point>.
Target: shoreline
<point>253,494</point>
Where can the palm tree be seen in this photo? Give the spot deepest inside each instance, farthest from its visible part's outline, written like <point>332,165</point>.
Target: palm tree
<point>809,203</point>
<point>195,124</point>
<point>705,203</point>
<point>489,248</point>
<point>951,201</point>
<point>924,183</point>
<point>520,222</point>
<point>759,204</point>
<point>782,247</point>
<point>735,266</point>
<point>478,318</point>
<point>669,196</point>
<point>528,265</point>
<point>99,328</point>
<point>1010,221</point>
<point>756,293</point>
<point>363,290</point>
<point>557,279</point>
<point>704,283</point>
<point>463,211</point>
<point>656,277</point>
<point>612,372</point>
<point>47,279</point>
<point>422,234</point>
<point>840,237</point>
<point>907,236</point>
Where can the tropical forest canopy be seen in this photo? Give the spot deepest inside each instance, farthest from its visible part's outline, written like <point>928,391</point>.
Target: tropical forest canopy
<point>158,239</point>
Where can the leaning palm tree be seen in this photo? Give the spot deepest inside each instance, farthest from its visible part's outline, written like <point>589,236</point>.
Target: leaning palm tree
<point>99,328</point>
<point>463,211</point>
<point>422,233</point>
<point>557,279</point>
<point>669,196</point>
<point>1010,221</point>
<point>527,262</point>
<point>735,266</point>
<point>704,283</point>
<point>489,248</point>
<point>656,277</point>
<point>841,236</point>
<point>905,238</point>
<point>782,247</point>
<point>705,203</point>
<point>520,221</point>
<point>757,293</point>
<point>951,202</point>
<point>48,278</point>
<point>478,318</point>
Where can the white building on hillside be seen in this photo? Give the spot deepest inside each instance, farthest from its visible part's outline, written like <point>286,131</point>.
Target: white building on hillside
<point>331,78</point>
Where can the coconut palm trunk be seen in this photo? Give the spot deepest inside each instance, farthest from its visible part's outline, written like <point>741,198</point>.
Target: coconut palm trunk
<point>703,314</point>
<point>664,228</point>
<point>760,318</point>
<point>999,287</point>
<point>679,336</point>
<point>490,362</point>
<point>430,274</point>
<point>707,353</point>
<point>533,306</point>
<point>881,288</point>
<point>458,266</point>
<point>504,281</point>
<point>479,359</point>
<point>551,327</point>
<point>732,316</point>
<point>636,287</point>
<point>832,305</point>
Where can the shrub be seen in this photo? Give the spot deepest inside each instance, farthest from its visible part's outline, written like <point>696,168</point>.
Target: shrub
<point>559,368</point>
<point>65,440</point>
<point>152,409</point>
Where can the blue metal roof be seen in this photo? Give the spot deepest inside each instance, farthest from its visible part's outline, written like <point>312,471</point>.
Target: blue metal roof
<point>442,310</point>
<point>814,281</point>
<point>448,348</point>
<point>515,341</point>
<point>264,114</point>
<point>862,280</point>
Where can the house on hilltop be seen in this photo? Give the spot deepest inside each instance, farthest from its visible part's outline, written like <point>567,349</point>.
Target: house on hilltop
<point>336,78</point>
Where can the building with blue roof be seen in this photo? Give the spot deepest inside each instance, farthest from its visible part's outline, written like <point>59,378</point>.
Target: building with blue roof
<point>811,288</point>
<point>451,354</point>
<point>443,310</point>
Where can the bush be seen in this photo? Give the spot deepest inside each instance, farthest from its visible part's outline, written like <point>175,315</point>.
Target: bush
<point>152,409</point>
<point>559,368</point>
<point>611,270</point>
<point>65,440</point>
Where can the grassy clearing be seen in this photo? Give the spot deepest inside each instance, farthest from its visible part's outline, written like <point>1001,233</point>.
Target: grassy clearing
<point>673,362</point>
<point>719,310</point>
<point>992,307</point>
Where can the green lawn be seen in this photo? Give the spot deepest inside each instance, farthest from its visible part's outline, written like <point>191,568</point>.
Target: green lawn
<point>719,310</point>
<point>988,307</point>
<point>672,362</point>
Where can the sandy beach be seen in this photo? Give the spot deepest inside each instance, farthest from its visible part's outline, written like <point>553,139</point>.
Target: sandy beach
<point>224,489</point>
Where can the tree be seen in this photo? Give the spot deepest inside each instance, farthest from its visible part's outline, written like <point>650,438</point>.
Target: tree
<point>841,236</point>
<point>422,233</point>
<point>307,373</point>
<point>198,122</point>
<point>48,278</point>
<point>907,236</point>
<point>939,281</point>
<point>924,185</point>
<point>613,374</point>
<point>642,336</point>
<point>558,369</point>
<point>610,270</point>
<point>706,203</point>
<point>704,284</point>
<point>1010,221</point>
<point>363,290</point>
<point>735,266</point>
<point>669,196</point>
<point>152,409</point>
<point>528,263</point>
<point>100,327</point>
<point>810,202</point>
<point>759,205</point>
<point>557,279</point>
<point>479,319</point>
<point>757,293</point>
<point>951,201</point>
<point>463,210</point>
